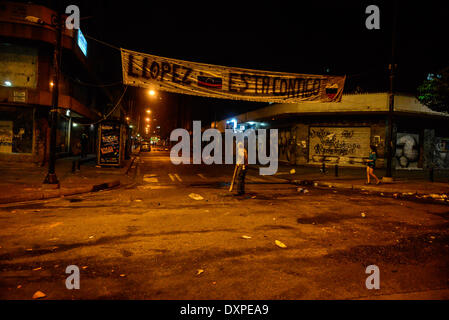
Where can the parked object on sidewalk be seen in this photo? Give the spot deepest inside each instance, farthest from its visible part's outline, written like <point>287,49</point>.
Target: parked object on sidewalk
<point>195,196</point>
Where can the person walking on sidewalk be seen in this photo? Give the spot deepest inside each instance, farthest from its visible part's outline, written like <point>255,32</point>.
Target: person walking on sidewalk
<point>370,165</point>
<point>241,168</point>
<point>84,144</point>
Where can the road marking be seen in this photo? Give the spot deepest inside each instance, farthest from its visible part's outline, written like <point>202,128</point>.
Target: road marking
<point>154,187</point>
<point>171,177</point>
<point>201,176</point>
<point>151,178</point>
<point>177,177</point>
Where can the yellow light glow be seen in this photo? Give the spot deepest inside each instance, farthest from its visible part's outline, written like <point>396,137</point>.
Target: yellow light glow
<point>151,92</point>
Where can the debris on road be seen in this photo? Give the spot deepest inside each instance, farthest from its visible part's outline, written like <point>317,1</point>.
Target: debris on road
<point>39,294</point>
<point>91,237</point>
<point>195,196</point>
<point>246,237</point>
<point>199,271</point>
<point>280,244</point>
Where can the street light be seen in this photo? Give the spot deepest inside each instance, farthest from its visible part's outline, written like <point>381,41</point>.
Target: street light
<point>147,119</point>
<point>148,111</point>
<point>152,92</point>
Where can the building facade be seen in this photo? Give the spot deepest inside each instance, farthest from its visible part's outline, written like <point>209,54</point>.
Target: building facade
<point>27,44</point>
<point>342,133</point>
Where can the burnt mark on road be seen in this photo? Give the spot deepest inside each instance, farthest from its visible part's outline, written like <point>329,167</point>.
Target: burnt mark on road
<point>103,240</point>
<point>411,250</point>
<point>326,218</point>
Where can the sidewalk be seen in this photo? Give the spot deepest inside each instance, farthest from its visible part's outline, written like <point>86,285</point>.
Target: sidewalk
<point>407,184</point>
<point>23,181</point>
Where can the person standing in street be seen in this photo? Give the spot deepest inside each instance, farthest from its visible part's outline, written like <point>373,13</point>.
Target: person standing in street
<point>241,168</point>
<point>370,165</point>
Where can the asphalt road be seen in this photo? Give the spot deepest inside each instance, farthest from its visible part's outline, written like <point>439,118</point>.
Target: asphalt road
<point>152,241</point>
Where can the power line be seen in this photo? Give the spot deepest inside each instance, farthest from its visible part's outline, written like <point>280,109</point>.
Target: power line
<point>93,84</point>
<point>110,112</point>
<point>102,42</point>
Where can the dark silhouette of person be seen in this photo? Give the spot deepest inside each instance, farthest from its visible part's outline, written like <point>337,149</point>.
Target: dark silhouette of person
<point>84,144</point>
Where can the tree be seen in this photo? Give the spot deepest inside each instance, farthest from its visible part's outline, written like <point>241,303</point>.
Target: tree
<point>434,92</point>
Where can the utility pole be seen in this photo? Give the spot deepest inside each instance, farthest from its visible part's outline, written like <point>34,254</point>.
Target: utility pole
<point>392,68</point>
<point>51,175</point>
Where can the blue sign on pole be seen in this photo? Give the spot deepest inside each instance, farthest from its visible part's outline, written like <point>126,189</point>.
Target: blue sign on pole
<point>82,43</point>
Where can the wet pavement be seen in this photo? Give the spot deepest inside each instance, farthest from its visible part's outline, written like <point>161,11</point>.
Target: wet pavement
<point>150,240</point>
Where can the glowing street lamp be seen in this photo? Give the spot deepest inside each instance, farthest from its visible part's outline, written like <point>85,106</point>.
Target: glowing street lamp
<point>152,92</point>
<point>147,119</point>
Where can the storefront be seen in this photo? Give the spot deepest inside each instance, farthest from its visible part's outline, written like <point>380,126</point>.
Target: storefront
<point>342,133</point>
<point>16,130</point>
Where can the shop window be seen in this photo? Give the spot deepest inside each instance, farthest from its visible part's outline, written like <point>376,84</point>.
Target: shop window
<point>16,130</point>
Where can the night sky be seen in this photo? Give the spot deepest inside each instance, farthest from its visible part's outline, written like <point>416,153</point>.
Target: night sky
<point>319,37</point>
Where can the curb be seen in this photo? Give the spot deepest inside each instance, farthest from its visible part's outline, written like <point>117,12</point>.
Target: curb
<point>47,194</point>
<point>134,156</point>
